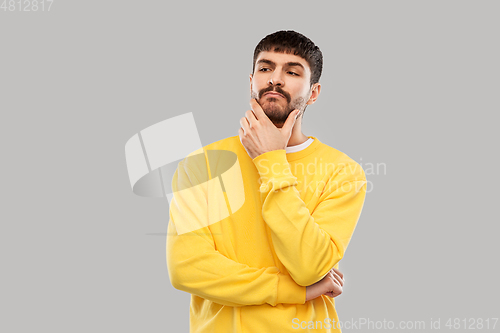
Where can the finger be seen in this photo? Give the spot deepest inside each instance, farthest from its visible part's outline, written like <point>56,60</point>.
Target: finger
<point>244,124</point>
<point>338,279</point>
<point>335,294</point>
<point>335,279</point>
<point>241,134</point>
<point>288,125</point>
<point>335,289</point>
<point>250,116</point>
<point>259,113</point>
<point>338,272</point>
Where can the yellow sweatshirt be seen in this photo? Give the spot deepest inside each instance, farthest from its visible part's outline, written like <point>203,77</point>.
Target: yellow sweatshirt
<point>245,244</point>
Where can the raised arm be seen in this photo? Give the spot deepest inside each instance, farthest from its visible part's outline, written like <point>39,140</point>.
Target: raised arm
<point>195,266</point>
<point>309,245</point>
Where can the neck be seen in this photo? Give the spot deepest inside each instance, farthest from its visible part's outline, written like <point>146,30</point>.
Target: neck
<point>297,136</point>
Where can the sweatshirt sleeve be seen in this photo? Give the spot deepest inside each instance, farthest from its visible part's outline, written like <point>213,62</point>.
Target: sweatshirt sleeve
<point>195,266</point>
<point>309,245</point>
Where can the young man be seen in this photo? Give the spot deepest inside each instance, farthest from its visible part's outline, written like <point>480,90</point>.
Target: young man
<point>259,250</point>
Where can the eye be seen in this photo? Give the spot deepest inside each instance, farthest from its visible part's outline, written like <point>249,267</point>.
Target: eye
<point>264,69</point>
<point>293,73</point>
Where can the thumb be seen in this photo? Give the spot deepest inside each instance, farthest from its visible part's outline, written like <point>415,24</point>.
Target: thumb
<point>289,123</point>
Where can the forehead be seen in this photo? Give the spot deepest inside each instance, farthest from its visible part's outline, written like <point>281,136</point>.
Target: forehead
<point>282,58</point>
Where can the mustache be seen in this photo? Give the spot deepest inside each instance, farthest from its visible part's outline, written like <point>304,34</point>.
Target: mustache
<point>275,89</point>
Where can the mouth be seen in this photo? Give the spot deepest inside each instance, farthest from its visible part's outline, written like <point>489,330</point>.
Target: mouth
<point>273,94</point>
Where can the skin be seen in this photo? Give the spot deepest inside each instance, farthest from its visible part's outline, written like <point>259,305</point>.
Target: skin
<point>331,285</point>
<point>271,124</point>
<point>274,122</point>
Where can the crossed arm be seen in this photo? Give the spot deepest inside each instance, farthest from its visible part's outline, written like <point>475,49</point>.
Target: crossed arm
<point>308,245</point>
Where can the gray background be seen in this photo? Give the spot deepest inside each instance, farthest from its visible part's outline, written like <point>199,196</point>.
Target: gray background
<point>410,84</point>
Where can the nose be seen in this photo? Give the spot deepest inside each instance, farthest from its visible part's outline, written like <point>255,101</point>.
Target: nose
<point>276,79</point>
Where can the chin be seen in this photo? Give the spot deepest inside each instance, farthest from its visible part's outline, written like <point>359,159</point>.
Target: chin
<point>272,107</point>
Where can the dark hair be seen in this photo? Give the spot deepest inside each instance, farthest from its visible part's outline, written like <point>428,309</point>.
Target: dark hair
<point>294,43</point>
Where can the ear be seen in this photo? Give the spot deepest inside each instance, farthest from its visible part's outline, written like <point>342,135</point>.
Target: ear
<point>251,77</point>
<point>315,90</point>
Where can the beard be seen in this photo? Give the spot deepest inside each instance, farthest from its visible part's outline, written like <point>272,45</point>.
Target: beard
<point>276,112</point>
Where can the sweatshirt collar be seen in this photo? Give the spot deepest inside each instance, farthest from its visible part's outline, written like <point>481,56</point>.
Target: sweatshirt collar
<point>311,147</point>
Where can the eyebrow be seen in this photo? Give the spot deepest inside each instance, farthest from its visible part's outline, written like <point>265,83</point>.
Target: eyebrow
<point>288,64</point>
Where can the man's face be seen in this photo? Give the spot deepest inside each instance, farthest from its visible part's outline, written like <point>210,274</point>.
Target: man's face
<point>281,84</point>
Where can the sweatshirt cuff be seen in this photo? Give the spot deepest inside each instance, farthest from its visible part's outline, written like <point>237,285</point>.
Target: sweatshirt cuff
<point>274,165</point>
<point>289,292</point>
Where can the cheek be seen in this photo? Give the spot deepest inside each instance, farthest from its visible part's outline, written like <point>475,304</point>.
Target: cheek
<point>257,85</point>
<point>303,91</point>
<point>298,91</point>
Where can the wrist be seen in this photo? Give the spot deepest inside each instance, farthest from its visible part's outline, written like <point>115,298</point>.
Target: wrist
<point>310,290</point>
